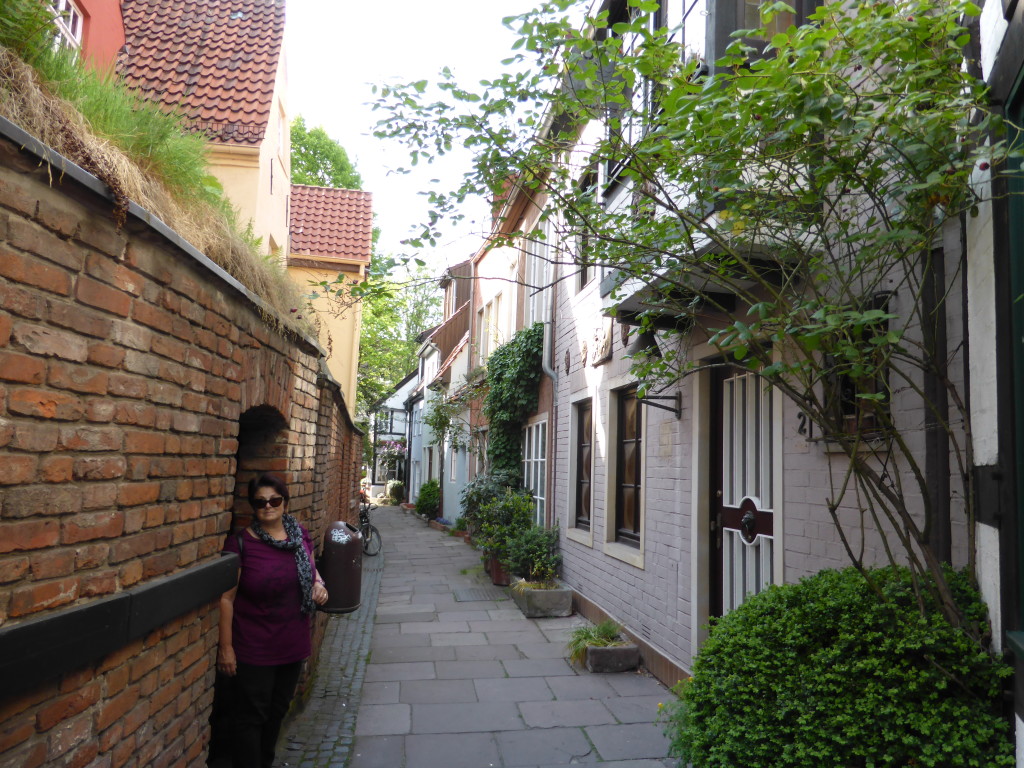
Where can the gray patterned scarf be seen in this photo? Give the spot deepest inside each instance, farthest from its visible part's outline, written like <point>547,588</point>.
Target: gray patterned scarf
<point>292,543</point>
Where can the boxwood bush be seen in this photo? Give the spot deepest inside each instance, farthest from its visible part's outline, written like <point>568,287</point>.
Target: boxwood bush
<point>834,672</point>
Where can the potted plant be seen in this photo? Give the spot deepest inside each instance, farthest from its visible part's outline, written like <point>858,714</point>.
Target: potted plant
<point>499,521</point>
<point>532,555</point>
<point>602,648</point>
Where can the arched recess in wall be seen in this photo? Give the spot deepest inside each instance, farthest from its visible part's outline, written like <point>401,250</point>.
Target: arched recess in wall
<point>262,447</point>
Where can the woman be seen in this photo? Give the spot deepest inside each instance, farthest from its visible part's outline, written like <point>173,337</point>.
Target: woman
<point>264,620</point>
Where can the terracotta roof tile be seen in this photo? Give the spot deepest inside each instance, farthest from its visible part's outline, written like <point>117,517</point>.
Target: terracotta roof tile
<point>331,223</point>
<point>214,61</point>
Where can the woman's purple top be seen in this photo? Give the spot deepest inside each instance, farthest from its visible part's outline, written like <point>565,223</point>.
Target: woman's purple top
<point>269,627</point>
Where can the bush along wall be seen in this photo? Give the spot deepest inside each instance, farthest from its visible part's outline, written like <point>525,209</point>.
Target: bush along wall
<point>513,381</point>
<point>843,670</point>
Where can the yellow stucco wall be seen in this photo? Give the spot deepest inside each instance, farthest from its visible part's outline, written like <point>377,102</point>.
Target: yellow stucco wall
<point>340,327</point>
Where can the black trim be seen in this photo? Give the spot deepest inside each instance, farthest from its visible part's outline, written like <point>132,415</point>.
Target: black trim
<point>41,649</point>
<point>991,495</point>
<point>1006,69</point>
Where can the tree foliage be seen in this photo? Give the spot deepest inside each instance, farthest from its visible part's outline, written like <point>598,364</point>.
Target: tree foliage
<point>513,380</point>
<point>784,207</point>
<point>319,160</point>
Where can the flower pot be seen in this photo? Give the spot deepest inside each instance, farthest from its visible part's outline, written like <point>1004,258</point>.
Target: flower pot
<point>500,577</point>
<point>543,603</point>
<point>612,658</point>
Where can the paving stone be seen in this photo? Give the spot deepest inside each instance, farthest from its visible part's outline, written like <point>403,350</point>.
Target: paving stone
<point>638,684</point>
<point>552,714</point>
<point>412,653</point>
<point>380,693</point>
<point>538,667</point>
<point>514,689</point>
<point>438,692</point>
<point>412,670</point>
<point>543,650</point>
<point>486,652</point>
<point>619,742</point>
<point>585,686</point>
<point>564,746</point>
<point>467,670</point>
<point>463,638</point>
<point>465,750</point>
<point>466,718</point>
<point>635,709</point>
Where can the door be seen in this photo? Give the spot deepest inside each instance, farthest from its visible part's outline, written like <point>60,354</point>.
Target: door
<point>743,462</point>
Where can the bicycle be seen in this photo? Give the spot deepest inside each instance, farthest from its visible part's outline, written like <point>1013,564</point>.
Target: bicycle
<point>371,536</point>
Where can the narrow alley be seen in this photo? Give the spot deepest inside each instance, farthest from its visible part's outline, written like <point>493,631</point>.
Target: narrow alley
<point>438,668</point>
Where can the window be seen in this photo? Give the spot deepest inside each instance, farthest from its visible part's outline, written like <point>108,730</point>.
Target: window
<point>68,19</point>
<point>539,253</point>
<point>489,327</point>
<point>628,468</point>
<point>454,467</point>
<point>535,448</point>
<point>584,462</point>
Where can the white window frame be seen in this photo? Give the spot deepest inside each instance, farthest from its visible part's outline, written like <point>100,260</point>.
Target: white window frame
<point>538,251</point>
<point>535,452</point>
<point>70,23</point>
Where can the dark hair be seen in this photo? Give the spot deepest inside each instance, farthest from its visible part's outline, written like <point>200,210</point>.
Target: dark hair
<point>268,480</point>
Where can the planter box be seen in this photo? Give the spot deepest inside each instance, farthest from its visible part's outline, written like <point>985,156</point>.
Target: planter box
<point>436,525</point>
<point>500,577</point>
<point>612,658</point>
<point>543,603</point>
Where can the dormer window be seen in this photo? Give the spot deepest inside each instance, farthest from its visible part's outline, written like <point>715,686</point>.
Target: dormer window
<point>68,19</point>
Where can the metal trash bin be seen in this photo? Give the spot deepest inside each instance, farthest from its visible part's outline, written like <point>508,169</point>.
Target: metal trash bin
<point>341,566</point>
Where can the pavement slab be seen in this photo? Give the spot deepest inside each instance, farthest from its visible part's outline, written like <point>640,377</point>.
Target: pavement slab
<point>416,679</point>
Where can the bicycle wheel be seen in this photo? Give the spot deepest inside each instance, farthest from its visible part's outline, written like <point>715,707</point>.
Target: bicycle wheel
<point>371,540</point>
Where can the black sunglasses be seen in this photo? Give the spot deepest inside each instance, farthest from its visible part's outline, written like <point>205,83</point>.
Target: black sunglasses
<point>274,501</point>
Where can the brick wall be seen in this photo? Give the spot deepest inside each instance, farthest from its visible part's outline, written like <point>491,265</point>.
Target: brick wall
<point>128,364</point>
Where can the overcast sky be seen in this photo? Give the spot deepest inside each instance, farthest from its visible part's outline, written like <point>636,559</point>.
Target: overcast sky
<point>338,48</point>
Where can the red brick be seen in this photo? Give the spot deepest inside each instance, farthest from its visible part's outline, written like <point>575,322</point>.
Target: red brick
<point>52,563</point>
<point>98,495</point>
<point>78,378</point>
<point>101,234</point>
<point>116,708</point>
<point>82,438</point>
<point>22,302</point>
<point>56,469</point>
<point>57,214</point>
<point>15,193</point>
<point>28,535</point>
<point>29,236</point>
<point>145,663</point>
<point>164,393</point>
<point>67,706</point>
<point>30,271</point>
<point>79,319</point>
<point>99,410</point>
<point>154,516</point>
<point>40,500</point>
<point>101,296</point>
<point>83,756</point>
<point>12,569</point>
<point>93,525</point>
<point>134,494</point>
<point>122,753</point>
<point>131,573</point>
<point>68,735</point>
<point>50,342</point>
<point>188,554</point>
<point>151,316</point>
<point>159,564</point>
<point>39,597</point>
<point>99,468</point>
<point>143,442</point>
<point>171,348</point>
<point>90,556</point>
<point>34,436</point>
<point>31,755</point>
<point>18,470</point>
<point>96,584</point>
<point>109,271</point>
<point>47,405</point>
<point>24,369</point>
<point>123,385</point>
<point>15,732</point>
<point>106,355</point>
<point>129,547</point>
<point>5,329</point>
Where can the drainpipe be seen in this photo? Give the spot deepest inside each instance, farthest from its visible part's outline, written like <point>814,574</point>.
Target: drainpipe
<point>936,457</point>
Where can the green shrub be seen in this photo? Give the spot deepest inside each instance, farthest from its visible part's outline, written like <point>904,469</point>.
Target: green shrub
<point>501,519</point>
<point>532,553</point>
<point>395,490</point>
<point>831,672</point>
<point>429,501</point>
<point>485,489</point>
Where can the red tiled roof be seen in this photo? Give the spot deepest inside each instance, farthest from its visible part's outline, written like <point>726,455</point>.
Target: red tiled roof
<point>214,61</point>
<point>331,223</point>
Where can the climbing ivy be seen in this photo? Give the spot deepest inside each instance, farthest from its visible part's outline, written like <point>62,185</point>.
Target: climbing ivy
<point>513,377</point>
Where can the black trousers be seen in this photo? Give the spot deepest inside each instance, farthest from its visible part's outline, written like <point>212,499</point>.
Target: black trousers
<point>261,699</point>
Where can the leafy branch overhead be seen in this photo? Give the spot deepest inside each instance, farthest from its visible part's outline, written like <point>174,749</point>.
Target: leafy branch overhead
<point>784,208</point>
